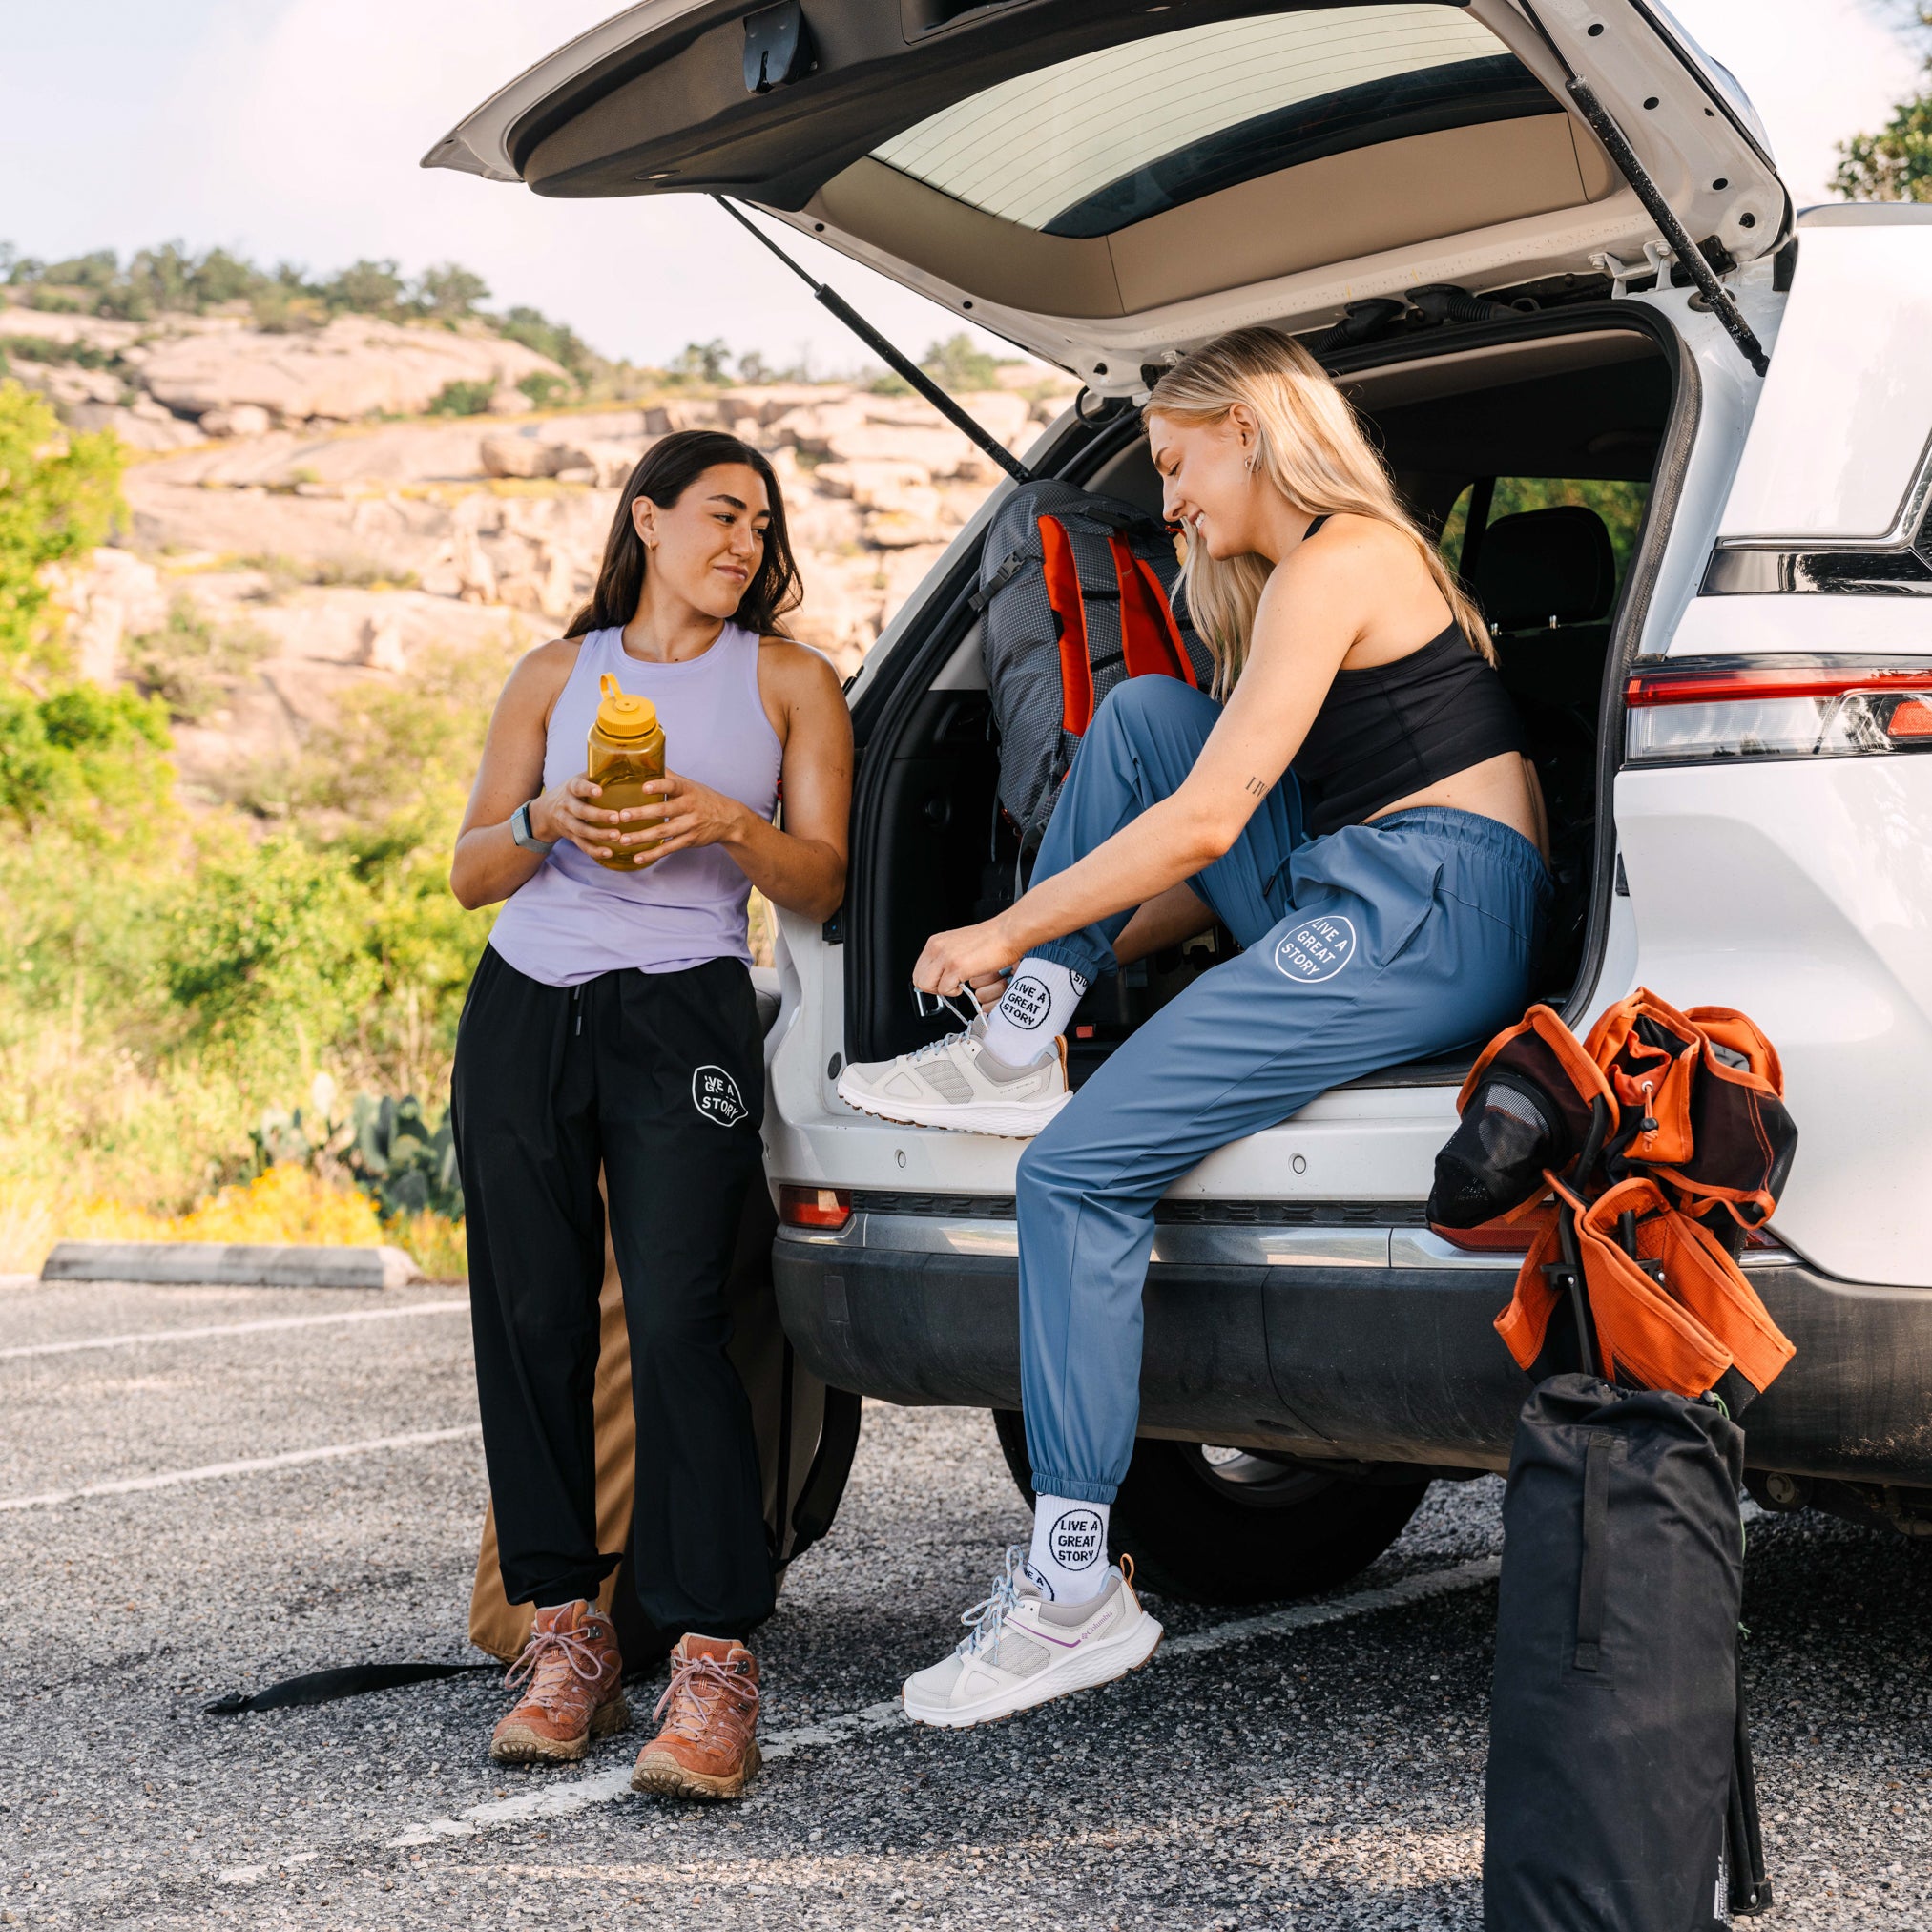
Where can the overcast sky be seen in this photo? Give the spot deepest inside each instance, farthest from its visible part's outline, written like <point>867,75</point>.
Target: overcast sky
<point>291,129</point>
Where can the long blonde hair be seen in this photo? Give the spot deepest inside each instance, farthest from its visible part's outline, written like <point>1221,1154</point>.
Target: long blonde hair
<point>1312,450</point>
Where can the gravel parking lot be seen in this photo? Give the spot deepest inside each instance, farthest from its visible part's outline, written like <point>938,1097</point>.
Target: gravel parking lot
<point>171,1533</point>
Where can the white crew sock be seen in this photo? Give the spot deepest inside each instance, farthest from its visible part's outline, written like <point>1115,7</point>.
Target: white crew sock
<point>1069,1557</point>
<point>1038,1003</point>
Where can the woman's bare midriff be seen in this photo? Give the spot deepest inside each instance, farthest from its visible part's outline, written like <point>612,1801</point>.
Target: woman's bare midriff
<point>1504,788</point>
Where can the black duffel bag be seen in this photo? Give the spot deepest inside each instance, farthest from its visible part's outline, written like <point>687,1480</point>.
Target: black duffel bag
<point>1618,1795</point>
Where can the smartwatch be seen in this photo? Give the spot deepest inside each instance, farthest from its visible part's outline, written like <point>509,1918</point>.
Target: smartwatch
<point>520,831</point>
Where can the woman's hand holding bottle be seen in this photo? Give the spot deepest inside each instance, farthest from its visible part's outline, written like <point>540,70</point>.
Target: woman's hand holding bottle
<point>688,814</point>
<point>568,812</point>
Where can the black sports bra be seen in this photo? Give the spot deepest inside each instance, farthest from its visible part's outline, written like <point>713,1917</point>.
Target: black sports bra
<point>1391,729</point>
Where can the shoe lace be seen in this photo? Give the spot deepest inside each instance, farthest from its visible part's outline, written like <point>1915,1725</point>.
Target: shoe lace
<point>554,1662</point>
<point>935,1049</point>
<point>969,1016</point>
<point>983,1620</point>
<point>693,1698</point>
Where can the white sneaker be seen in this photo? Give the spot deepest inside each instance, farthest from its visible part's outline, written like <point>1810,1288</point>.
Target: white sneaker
<point>1020,1654</point>
<point>956,1083</point>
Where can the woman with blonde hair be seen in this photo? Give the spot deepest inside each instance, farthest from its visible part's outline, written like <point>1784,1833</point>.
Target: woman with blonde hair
<point>1353,803</point>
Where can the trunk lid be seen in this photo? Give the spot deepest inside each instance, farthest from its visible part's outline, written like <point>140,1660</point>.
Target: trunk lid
<point>1101,181</point>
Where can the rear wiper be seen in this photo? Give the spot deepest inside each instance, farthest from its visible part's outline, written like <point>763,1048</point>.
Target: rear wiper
<point>1689,256</point>
<point>900,364</point>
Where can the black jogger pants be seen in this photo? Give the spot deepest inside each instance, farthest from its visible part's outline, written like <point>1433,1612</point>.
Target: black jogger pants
<point>659,1078</point>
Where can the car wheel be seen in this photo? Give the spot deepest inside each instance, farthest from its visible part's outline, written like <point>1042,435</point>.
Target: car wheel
<point>1224,1526</point>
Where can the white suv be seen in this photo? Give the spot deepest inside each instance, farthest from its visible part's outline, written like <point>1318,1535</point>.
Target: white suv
<point>1712,594</point>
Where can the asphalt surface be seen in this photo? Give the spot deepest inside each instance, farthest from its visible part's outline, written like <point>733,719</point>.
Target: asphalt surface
<point>1322,1771</point>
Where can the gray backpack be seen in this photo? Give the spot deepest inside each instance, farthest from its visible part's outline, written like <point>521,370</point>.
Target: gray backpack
<point>1076,589</point>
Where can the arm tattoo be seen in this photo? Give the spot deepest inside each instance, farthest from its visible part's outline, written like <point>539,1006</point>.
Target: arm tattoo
<point>1255,785</point>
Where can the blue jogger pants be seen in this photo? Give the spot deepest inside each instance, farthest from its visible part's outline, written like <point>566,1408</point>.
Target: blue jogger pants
<point>1372,945</point>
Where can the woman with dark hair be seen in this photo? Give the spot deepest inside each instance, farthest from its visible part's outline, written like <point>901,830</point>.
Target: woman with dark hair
<point>612,1024</point>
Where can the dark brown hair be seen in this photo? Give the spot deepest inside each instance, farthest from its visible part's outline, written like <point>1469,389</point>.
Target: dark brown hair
<point>669,467</point>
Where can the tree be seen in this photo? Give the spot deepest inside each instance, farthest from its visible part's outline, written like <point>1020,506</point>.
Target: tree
<point>60,496</point>
<point>702,361</point>
<point>364,288</point>
<point>447,292</point>
<point>956,364</point>
<point>556,339</point>
<point>1894,164</point>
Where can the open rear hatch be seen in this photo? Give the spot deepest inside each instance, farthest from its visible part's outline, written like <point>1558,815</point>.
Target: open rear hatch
<point>1100,181</point>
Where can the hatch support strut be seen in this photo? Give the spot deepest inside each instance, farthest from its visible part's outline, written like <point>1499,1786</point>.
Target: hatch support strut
<point>1673,231</point>
<point>899,364</point>
<point>1659,210</point>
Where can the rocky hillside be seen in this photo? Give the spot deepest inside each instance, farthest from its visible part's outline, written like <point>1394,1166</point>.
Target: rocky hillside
<point>286,540</point>
<point>176,382</point>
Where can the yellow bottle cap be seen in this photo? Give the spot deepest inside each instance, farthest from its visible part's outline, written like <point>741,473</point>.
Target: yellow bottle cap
<point>622,716</point>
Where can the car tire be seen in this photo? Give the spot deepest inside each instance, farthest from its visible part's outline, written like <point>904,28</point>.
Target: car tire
<point>1226,1527</point>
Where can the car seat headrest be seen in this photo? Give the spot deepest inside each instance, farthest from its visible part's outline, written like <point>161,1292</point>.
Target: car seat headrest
<point>1545,567</point>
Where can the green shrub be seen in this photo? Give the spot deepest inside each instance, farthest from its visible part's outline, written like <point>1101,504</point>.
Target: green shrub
<point>45,350</point>
<point>543,389</point>
<point>191,665</point>
<point>95,762</point>
<point>60,497</point>
<point>265,951</point>
<point>463,399</point>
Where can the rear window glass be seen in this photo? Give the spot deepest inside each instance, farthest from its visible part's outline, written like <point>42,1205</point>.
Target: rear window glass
<point>1089,145</point>
<point>1620,505</point>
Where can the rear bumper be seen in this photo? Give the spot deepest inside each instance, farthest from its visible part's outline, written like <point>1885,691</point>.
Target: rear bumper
<point>1367,1343</point>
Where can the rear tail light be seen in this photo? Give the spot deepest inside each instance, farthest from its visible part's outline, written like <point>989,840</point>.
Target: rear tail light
<point>814,1207</point>
<point>1756,712</point>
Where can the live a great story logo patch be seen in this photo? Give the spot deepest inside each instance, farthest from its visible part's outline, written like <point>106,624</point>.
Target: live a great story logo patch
<point>716,1095</point>
<point>1317,949</point>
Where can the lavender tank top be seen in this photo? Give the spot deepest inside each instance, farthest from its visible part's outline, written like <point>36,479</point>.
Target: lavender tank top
<point>572,920</point>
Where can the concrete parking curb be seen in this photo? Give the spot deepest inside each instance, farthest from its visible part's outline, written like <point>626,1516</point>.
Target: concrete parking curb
<point>230,1264</point>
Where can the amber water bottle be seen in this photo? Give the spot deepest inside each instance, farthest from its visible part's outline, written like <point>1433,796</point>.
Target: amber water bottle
<point>626,752</point>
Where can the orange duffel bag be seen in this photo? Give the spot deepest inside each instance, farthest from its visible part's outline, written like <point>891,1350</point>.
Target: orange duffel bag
<point>1637,1158</point>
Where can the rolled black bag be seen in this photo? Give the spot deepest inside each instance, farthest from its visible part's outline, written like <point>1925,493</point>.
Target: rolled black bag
<point>1615,1718</point>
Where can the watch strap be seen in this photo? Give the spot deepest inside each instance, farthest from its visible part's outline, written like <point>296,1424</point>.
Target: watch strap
<point>520,831</point>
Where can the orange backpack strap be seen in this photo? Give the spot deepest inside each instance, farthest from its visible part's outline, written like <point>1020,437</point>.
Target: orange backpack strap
<point>1525,1324</point>
<point>1150,638</point>
<point>1717,1290</point>
<point>1069,610</point>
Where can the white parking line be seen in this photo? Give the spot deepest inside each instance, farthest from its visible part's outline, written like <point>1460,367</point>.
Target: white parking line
<point>210,1472</point>
<point>562,1799</point>
<point>231,1328</point>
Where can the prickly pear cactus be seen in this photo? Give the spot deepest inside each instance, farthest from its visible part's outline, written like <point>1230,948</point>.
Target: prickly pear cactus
<point>404,1162</point>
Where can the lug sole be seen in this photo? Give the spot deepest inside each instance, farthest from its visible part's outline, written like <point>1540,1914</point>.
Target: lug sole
<point>1117,1664</point>
<point>519,1744</point>
<point>660,1773</point>
<point>997,1123</point>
